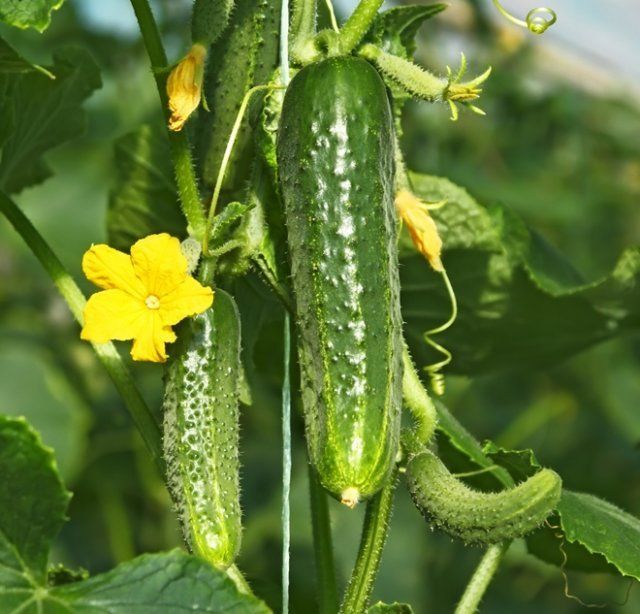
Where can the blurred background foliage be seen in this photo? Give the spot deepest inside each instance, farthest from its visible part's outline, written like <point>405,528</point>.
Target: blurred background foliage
<point>564,157</point>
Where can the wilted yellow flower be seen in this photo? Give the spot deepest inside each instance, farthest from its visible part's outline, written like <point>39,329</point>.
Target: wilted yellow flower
<point>184,86</point>
<point>422,227</point>
<point>143,295</point>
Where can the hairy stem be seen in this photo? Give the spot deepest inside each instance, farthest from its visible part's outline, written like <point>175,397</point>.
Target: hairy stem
<point>374,535</point>
<point>322,546</point>
<point>481,578</point>
<point>417,400</point>
<point>180,152</point>
<point>358,24</point>
<point>303,28</point>
<point>106,352</point>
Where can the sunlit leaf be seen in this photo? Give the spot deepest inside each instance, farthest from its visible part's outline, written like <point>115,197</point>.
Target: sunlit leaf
<point>28,13</point>
<point>33,503</point>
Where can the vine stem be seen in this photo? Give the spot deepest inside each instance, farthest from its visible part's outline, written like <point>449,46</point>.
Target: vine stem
<point>180,152</point>
<point>358,24</point>
<point>106,352</point>
<point>481,578</point>
<point>374,535</point>
<point>323,547</point>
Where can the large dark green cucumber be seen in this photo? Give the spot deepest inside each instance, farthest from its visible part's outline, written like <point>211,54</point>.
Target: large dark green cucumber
<point>476,516</point>
<point>201,431</point>
<point>335,153</point>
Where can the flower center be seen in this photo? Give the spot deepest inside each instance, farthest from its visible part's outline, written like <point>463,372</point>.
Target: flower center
<point>152,302</point>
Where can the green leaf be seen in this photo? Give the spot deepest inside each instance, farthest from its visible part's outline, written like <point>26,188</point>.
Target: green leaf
<point>46,113</point>
<point>394,31</point>
<point>33,500</point>
<point>33,503</point>
<point>390,608</point>
<point>168,582</point>
<point>521,464</point>
<point>602,528</point>
<point>144,199</point>
<point>12,62</point>
<point>522,304</point>
<point>28,13</point>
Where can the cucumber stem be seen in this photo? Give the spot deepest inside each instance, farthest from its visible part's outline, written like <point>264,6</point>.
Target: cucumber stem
<point>374,535</point>
<point>481,578</point>
<point>106,352</point>
<point>303,29</point>
<point>180,152</point>
<point>322,546</point>
<point>358,25</point>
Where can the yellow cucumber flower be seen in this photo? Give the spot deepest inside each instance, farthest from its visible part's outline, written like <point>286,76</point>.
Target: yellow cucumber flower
<point>184,86</point>
<point>143,295</point>
<point>421,226</point>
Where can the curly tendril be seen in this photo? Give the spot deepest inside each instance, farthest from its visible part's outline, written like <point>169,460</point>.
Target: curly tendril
<point>537,21</point>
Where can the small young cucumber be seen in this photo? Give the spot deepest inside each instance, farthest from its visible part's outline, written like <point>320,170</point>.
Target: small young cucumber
<point>201,431</point>
<point>480,517</point>
<point>335,152</point>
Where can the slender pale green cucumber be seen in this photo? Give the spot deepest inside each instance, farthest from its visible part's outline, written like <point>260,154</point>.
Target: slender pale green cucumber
<point>335,153</point>
<point>201,431</point>
<point>476,516</point>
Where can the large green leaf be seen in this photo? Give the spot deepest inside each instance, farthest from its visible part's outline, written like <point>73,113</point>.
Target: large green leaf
<point>46,113</point>
<point>33,500</point>
<point>33,503</point>
<point>144,199</point>
<point>521,303</point>
<point>168,582</point>
<point>602,528</point>
<point>28,13</point>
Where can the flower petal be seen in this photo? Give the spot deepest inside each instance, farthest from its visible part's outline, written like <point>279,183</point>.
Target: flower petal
<point>159,263</point>
<point>109,268</point>
<point>113,314</point>
<point>189,298</point>
<point>149,345</point>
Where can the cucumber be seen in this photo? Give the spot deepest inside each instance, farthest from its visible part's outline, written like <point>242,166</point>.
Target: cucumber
<point>480,517</point>
<point>335,152</point>
<point>209,20</point>
<point>245,55</point>
<point>201,431</point>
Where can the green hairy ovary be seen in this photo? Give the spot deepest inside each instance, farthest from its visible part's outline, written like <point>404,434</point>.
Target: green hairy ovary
<point>201,432</point>
<point>476,516</point>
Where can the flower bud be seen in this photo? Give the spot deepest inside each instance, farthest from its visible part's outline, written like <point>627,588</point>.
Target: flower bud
<point>184,86</point>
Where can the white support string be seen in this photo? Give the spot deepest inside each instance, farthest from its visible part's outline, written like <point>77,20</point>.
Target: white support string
<point>286,382</point>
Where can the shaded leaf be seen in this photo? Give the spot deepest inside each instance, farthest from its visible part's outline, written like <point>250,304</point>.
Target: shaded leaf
<point>12,62</point>
<point>144,200</point>
<point>521,303</point>
<point>390,608</point>
<point>46,113</point>
<point>394,31</point>
<point>28,13</point>
<point>521,464</point>
<point>33,500</point>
